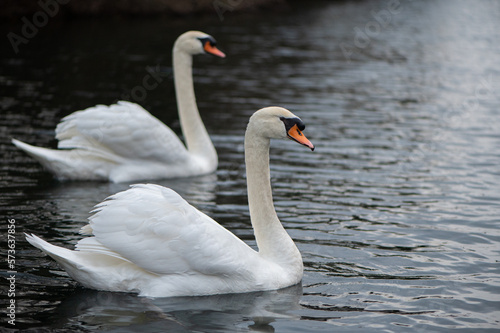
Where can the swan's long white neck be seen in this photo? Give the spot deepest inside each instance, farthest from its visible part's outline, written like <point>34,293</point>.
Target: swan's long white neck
<point>195,134</point>
<point>273,241</point>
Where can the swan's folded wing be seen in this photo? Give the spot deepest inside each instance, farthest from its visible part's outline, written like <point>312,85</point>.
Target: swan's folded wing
<point>153,227</point>
<point>123,130</point>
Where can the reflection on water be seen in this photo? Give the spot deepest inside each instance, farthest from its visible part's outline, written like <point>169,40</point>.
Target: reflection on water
<point>395,213</point>
<point>108,311</point>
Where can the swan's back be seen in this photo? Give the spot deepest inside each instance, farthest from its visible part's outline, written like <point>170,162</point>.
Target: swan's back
<point>122,131</point>
<point>155,228</point>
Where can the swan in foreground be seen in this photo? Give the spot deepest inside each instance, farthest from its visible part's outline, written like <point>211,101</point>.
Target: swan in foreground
<point>149,240</point>
<point>123,142</point>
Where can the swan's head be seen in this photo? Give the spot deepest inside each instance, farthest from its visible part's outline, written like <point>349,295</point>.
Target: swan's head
<point>197,42</point>
<point>279,123</point>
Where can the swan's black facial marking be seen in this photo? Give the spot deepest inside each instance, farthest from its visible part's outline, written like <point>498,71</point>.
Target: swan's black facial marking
<point>289,122</point>
<point>209,39</point>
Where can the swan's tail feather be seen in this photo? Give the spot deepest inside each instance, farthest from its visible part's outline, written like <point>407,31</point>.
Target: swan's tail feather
<point>59,254</point>
<point>88,255</point>
<point>40,154</point>
<point>49,158</point>
<point>71,163</point>
<point>92,265</point>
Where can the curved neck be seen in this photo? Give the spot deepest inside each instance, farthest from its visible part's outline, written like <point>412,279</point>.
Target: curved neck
<point>273,241</point>
<point>195,134</point>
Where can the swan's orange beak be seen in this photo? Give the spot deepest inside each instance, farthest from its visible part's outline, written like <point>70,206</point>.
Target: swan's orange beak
<point>213,50</point>
<point>295,134</point>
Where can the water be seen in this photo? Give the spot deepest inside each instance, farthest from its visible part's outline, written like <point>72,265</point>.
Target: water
<point>396,213</point>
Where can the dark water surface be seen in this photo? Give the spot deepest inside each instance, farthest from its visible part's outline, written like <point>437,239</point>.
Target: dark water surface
<point>396,213</point>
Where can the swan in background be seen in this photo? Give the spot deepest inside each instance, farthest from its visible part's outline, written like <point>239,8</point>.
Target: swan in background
<point>123,142</point>
<point>149,240</point>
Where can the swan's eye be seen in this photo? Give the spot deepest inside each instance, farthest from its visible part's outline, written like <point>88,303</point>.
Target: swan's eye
<point>290,122</point>
<point>209,40</point>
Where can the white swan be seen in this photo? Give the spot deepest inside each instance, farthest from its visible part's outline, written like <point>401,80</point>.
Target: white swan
<point>123,142</point>
<point>148,240</point>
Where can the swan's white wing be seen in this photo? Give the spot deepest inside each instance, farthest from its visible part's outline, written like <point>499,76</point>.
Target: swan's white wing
<point>153,227</point>
<point>123,130</point>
